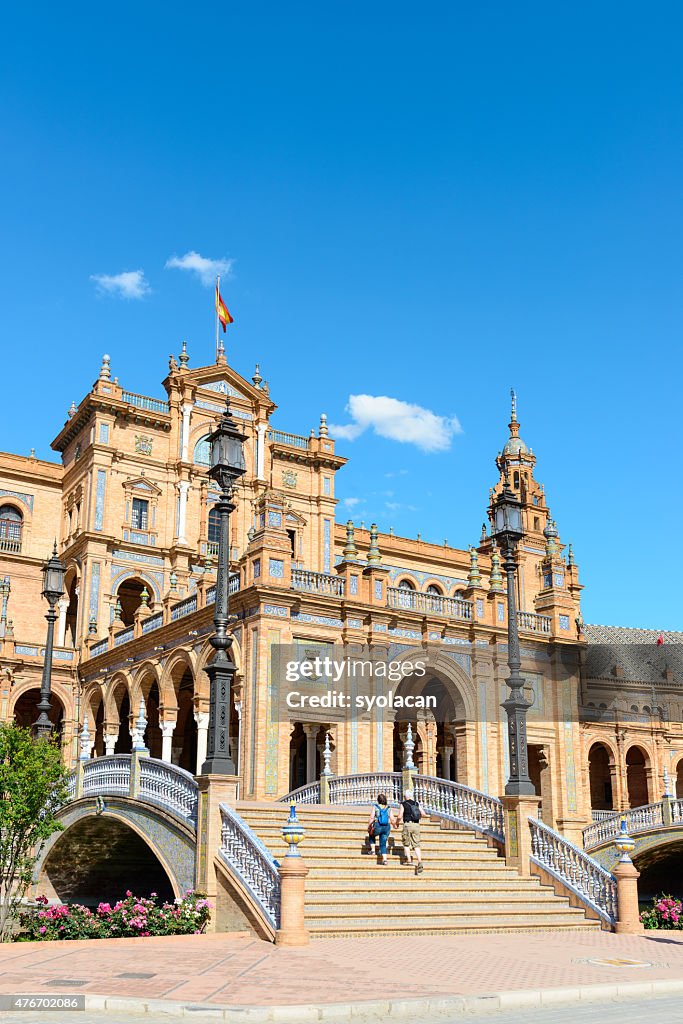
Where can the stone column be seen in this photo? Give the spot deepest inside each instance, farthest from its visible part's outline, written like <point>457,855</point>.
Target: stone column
<point>628,913</point>
<point>187,410</point>
<point>261,461</point>
<point>292,932</point>
<point>311,731</point>
<point>110,742</point>
<point>202,720</point>
<point>167,730</point>
<point>214,790</point>
<point>183,488</point>
<point>62,605</point>
<point>446,753</point>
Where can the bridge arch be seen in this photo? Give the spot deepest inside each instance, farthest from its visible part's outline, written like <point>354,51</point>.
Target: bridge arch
<point>113,845</point>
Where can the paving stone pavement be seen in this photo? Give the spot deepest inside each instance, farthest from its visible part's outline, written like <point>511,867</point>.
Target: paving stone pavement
<point>243,971</point>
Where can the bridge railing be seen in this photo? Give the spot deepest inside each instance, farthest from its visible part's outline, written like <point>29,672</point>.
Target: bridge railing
<point>157,782</point>
<point>252,862</point>
<point>582,875</point>
<point>638,819</point>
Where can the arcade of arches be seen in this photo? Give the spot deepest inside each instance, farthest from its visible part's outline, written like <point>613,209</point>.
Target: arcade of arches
<point>628,782</point>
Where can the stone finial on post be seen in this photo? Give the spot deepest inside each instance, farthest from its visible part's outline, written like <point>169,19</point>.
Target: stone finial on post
<point>667,799</point>
<point>293,872</point>
<point>409,766</point>
<point>326,772</point>
<point>140,730</point>
<point>85,741</point>
<point>626,874</point>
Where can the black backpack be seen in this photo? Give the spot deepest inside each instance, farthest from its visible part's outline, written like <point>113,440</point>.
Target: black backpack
<point>411,812</point>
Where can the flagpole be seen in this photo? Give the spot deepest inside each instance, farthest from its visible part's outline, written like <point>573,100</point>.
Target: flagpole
<point>218,291</point>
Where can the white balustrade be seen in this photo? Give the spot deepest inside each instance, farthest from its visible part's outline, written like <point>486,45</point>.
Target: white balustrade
<point>317,582</point>
<point>638,819</point>
<point>432,604</point>
<point>582,875</point>
<point>363,789</point>
<point>169,786</point>
<point>293,440</point>
<point>153,622</point>
<point>107,775</point>
<point>246,855</point>
<point>304,795</point>
<point>531,622</point>
<point>124,636</point>
<point>459,803</point>
<point>183,608</point>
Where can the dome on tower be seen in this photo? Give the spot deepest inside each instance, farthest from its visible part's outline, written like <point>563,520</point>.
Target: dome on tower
<point>515,446</point>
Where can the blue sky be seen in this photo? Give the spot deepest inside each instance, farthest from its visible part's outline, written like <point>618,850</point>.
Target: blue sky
<point>428,204</point>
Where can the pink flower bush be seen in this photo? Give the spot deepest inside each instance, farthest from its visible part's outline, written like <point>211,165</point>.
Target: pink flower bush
<point>132,916</point>
<point>665,912</point>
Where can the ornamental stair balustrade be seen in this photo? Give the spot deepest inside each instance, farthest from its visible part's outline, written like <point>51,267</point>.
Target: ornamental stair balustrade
<point>160,783</point>
<point>580,874</point>
<point>531,622</point>
<point>638,819</point>
<point>293,440</point>
<point>601,815</point>
<point>252,862</point>
<point>317,582</point>
<point>432,604</point>
<point>460,804</point>
<point>309,794</point>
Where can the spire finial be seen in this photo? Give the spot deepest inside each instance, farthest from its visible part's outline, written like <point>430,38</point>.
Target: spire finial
<point>105,369</point>
<point>350,552</point>
<point>257,378</point>
<point>374,554</point>
<point>323,425</point>
<point>220,354</point>
<point>72,410</point>
<point>183,358</point>
<point>513,400</point>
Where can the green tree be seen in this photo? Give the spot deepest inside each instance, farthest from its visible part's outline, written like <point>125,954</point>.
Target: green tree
<point>32,789</point>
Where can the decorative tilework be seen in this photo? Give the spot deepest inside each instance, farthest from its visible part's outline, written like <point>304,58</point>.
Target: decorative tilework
<point>210,405</point>
<point>558,579</point>
<point>500,612</point>
<point>327,534</point>
<point>379,627</point>
<point>480,608</point>
<point>276,567</point>
<point>463,660</point>
<point>99,499</point>
<point>274,519</point>
<point>354,623</point>
<point>26,649</point>
<point>257,568</point>
<point>94,589</point>
<point>153,579</point>
<point>318,620</point>
<point>104,433</point>
<point>457,640</point>
<point>483,739</point>
<point>569,764</point>
<point>272,727</point>
<point>398,570</point>
<point>327,486</point>
<point>435,636</point>
<point>564,622</point>
<point>353,585</point>
<point>222,388</point>
<point>407,634</point>
<point>25,499</point>
<point>378,590</point>
<point>275,609</point>
<point>135,556</point>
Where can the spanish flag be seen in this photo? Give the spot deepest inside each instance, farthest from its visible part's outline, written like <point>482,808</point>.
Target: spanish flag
<point>222,310</point>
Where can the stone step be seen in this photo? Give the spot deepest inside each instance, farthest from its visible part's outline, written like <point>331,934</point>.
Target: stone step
<point>406,880</point>
<point>371,923</point>
<point>453,898</point>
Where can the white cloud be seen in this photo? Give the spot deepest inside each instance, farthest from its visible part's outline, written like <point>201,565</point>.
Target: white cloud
<point>397,421</point>
<point>207,270</point>
<point>130,284</point>
<point>352,502</point>
<point>398,506</point>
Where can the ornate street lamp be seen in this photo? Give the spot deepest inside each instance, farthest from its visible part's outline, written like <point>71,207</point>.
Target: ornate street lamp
<point>53,588</point>
<point>227,465</point>
<point>508,531</point>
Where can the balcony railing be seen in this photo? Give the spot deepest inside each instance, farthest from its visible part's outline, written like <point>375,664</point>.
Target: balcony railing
<point>124,636</point>
<point>432,604</point>
<point>293,440</point>
<point>533,623</point>
<point>142,402</point>
<point>317,582</point>
<point>212,548</point>
<point>11,544</point>
<point>183,608</point>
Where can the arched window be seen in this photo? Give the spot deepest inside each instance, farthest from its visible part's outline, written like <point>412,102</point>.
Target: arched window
<point>11,522</point>
<point>214,528</point>
<point>202,452</point>
<point>406,585</point>
<point>433,589</point>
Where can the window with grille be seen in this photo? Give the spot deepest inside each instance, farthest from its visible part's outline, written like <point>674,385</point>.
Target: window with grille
<point>214,526</point>
<point>139,514</point>
<point>10,523</point>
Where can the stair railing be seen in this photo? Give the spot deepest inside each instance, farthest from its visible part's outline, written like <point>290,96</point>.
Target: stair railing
<point>461,804</point>
<point>638,819</point>
<point>309,794</point>
<point>576,870</point>
<point>252,862</point>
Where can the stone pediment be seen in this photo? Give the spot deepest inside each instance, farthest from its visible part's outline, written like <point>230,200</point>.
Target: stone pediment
<point>215,383</point>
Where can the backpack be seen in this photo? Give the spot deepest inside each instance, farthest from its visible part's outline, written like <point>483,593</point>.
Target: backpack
<point>381,814</point>
<point>411,811</point>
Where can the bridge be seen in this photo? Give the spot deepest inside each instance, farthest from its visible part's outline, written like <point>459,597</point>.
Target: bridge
<point>131,822</point>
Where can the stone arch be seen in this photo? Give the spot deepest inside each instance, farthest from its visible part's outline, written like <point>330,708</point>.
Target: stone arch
<point>146,686</point>
<point>179,683</point>
<point>434,587</point>
<point>24,706</point>
<point>677,776</point>
<point>601,771</point>
<point>638,774</point>
<point>71,604</point>
<point>171,842</point>
<point>118,711</point>
<point>146,578</point>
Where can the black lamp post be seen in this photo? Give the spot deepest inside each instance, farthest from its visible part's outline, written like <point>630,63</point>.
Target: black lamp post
<point>508,530</point>
<point>53,588</point>
<point>227,465</point>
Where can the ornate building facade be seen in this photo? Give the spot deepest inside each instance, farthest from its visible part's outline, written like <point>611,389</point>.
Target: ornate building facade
<point>131,507</point>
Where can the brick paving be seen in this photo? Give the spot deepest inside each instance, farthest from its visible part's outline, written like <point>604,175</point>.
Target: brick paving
<point>241,970</point>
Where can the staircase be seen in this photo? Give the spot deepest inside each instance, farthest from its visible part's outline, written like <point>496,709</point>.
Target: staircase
<point>465,887</point>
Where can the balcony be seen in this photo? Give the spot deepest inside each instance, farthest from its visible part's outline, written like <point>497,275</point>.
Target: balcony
<point>143,402</point>
<point>431,604</point>
<point>292,440</point>
<point>530,622</point>
<point>12,545</point>
<point>317,582</point>
<point>212,548</point>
